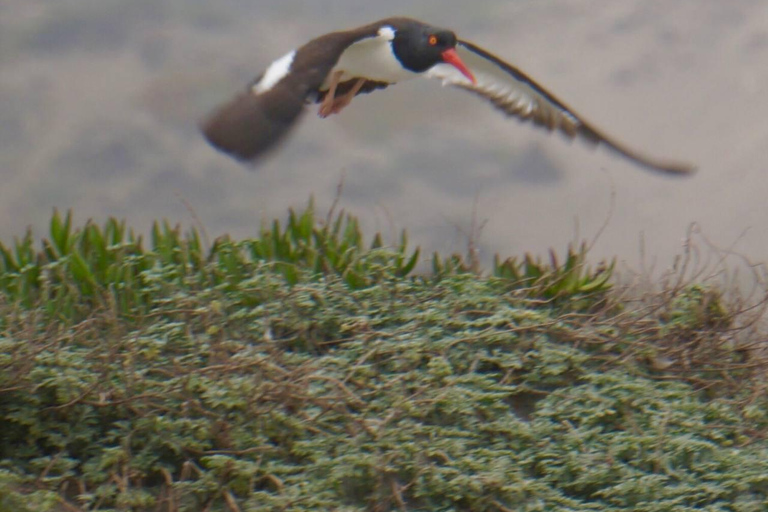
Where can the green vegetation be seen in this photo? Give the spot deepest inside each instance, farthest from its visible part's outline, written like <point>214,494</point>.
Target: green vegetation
<point>309,369</point>
<point>79,269</point>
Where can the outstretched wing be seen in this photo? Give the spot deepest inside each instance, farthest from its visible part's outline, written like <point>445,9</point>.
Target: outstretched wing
<point>258,118</point>
<point>516,94</point>
<point>251,123</point>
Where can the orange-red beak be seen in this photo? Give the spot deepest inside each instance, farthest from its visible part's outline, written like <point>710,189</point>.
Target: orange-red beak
<point>451,57</point>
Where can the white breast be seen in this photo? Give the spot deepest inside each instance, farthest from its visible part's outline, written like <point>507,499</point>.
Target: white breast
<point>372,58</point>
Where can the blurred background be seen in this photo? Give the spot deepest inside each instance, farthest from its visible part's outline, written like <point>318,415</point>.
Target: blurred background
<point>100,100</point>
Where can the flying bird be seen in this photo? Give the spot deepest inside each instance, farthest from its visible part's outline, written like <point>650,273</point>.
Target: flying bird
<point>334,68</point>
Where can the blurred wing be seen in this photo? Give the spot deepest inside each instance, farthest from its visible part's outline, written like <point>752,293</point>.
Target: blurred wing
<point>516,94</point>
<point>257,119</point>
<point>252,123</point>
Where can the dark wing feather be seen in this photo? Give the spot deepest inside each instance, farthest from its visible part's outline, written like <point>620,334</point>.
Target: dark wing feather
<point>516,94</point>
<point>252,123</point>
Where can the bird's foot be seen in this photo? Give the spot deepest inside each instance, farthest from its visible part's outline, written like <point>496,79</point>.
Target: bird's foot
<point>334,105</point>
<point>339,104</point>
<point>326,107</point>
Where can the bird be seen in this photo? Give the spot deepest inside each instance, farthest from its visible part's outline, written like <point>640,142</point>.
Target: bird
<point>334,68</point>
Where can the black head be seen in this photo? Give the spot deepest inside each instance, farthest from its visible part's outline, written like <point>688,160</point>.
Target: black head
<point>419,47</point>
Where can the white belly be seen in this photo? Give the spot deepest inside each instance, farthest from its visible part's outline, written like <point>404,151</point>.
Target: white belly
<point>371,58</point>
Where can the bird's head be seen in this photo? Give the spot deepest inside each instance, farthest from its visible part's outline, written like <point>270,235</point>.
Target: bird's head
<point>419,47</point>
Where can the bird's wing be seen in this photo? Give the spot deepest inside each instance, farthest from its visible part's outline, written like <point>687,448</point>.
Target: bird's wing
<point>516,94</point>
<point>251,123</point>
<point>258,118</point>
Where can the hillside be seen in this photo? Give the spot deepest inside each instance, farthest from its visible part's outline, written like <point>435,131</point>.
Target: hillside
<point>309,370</point>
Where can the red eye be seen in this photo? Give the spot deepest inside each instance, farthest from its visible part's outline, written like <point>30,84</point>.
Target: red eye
<point>432,40</point>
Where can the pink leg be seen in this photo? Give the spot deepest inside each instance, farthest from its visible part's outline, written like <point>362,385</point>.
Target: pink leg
<point>343,101</point>
<point>326,107</point>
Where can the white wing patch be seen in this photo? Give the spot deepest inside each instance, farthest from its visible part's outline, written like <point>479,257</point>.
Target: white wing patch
<point>274,73</point>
